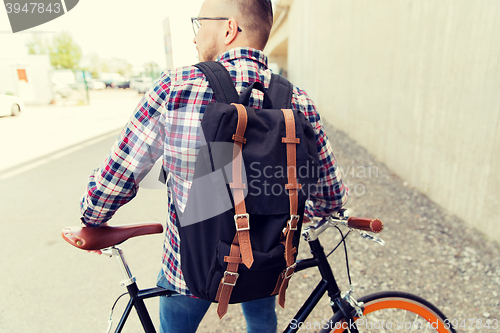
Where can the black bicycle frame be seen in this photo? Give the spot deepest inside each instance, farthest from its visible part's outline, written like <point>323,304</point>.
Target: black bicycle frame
<point>136,300</point>
<point>328,283</point>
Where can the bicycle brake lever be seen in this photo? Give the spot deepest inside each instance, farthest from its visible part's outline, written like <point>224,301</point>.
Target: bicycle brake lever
<point>374,238</point>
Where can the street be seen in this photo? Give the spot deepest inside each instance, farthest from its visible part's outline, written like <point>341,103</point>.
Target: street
<point>46,285</point>
<point>40,130</point>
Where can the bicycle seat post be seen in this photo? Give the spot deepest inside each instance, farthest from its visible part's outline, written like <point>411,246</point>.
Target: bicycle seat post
<point>116,252</point>
<point>130,283</point>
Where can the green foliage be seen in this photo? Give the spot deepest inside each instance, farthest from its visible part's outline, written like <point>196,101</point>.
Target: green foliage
<point>64,52</point>
<point>37,45</point>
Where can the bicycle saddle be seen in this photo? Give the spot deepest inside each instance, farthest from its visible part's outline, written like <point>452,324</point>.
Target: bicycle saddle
<point>97,238</point>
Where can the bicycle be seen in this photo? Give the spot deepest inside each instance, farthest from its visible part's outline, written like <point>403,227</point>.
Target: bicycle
<point>384,311</point>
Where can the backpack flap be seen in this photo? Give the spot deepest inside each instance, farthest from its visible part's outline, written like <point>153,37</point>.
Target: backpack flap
<point>264,155</point>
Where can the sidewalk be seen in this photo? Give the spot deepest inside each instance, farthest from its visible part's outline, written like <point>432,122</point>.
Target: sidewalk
<point>428,252</point>
<point>40,130</point>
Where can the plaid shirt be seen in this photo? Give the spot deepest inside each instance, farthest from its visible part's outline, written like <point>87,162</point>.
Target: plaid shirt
<point>166,124</point>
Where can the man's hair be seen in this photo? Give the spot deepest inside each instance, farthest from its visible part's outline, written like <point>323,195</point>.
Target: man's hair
<point>257,18</point>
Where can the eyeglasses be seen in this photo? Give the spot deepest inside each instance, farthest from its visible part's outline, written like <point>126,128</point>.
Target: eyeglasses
<point>196,22</point>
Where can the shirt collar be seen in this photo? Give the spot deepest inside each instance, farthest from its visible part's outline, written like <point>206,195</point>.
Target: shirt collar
<point>243,52</point>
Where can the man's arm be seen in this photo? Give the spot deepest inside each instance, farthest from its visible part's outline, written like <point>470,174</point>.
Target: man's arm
<point>134,153</point>
<point>331,193</point>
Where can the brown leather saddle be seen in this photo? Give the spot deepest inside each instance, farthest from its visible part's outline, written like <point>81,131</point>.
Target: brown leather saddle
<point>97,238</point>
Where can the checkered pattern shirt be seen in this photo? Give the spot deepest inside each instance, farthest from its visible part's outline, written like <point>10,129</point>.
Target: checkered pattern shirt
<point>166,124</point>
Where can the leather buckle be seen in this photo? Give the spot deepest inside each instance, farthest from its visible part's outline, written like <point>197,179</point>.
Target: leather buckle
<point>237,216</point>
<point>293,217</point>
<point>292,268</point>
<point>226,273</point>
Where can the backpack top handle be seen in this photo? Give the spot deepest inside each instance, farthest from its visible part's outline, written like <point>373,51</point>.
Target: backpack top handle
<point>279,94</point>
<point>245,96</point>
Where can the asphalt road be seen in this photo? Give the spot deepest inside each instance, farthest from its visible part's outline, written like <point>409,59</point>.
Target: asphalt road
<point>45,284</point>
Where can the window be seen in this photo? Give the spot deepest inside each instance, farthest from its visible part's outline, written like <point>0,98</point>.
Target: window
<point>21,74</point>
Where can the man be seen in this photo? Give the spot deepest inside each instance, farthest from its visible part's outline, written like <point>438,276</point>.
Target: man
<point>166,124</point>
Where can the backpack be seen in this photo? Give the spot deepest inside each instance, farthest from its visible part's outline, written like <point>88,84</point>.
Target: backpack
<point>253,173</point>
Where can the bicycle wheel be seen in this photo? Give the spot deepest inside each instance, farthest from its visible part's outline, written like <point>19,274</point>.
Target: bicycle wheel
<point>393,311</point>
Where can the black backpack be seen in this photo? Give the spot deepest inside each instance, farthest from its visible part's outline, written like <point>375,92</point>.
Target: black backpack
<point>254,172</point>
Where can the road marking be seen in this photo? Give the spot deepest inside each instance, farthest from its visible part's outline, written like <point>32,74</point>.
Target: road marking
<point>59,154</point>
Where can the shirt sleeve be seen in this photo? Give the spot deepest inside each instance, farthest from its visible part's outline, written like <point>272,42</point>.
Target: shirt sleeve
<point>132,156</point>
<point>331,193</point>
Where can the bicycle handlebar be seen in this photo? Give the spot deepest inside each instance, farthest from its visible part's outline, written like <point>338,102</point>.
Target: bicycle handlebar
<point>361,224</point>
<point>366,224</point>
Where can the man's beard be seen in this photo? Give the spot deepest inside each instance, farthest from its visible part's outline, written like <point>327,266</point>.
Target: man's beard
<point>210,53</point>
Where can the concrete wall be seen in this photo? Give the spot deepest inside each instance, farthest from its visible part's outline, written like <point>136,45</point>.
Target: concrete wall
<point>415,82</point>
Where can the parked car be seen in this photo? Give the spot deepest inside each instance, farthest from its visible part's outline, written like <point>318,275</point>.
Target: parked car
<point>10,105</point>
<point>95,84</point>
<point>109,78</point>
<point>141,84</point>
<point>120,82</point>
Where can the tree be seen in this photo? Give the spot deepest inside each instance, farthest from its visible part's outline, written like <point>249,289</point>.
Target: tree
<point>118,65</point>
<point>92,63</point>
<point>152,69</point>
<point>64,52</point>
<point>37,45</point>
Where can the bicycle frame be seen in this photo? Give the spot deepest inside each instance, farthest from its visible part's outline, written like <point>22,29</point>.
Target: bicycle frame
<point>137,296</point>
<point>328,283</point>
<point>136,300</point>
<point>319,259</point>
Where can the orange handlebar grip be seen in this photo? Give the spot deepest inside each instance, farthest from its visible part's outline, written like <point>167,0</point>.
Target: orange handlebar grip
<point>366,224</point>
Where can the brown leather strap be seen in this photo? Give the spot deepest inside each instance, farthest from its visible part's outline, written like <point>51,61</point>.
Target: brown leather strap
<point>241,249</point>
<point>241,217</point>
<point>278,284</point>
<point>291,151</point>
<point>280,278</point>
<point>286,275</point>
<point>228,280</point>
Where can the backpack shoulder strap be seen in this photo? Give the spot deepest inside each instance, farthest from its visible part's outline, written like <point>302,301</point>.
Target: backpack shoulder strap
<point>220,81</point>
<point>280,90</point>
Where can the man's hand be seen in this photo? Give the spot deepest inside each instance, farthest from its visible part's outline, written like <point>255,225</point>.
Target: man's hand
<point>100,225</point>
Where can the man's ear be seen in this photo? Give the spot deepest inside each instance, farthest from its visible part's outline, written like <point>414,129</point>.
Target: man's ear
<point>231,31</point>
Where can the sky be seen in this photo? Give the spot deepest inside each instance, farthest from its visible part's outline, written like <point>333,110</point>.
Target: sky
<point>115,28</point>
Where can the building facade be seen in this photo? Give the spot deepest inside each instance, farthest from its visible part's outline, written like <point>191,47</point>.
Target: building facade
<point>415,82</point>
